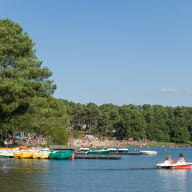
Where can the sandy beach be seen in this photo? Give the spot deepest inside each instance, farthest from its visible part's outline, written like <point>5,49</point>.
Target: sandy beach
<point>103,143</point>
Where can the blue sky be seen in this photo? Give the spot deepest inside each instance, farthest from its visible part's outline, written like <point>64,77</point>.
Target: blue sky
<point>112,51</point>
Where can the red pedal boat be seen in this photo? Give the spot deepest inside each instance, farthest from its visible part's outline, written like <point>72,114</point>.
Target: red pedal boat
<point>177,165</point>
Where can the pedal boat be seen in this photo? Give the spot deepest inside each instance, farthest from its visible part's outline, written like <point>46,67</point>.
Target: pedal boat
<point>177,165</point>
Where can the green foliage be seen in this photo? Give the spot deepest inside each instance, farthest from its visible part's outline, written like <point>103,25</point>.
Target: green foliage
<point>25,89</point>
<point>153,122</point>
<point>50,117</point>
<point>21,75</point>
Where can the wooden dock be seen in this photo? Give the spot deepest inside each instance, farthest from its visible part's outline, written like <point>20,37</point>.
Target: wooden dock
<point>115,153</point>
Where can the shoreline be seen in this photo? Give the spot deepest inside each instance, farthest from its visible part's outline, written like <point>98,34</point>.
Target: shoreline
<point>120,143</point>
<point>88,143</point>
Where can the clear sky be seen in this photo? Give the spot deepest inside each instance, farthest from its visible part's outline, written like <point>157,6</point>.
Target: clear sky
<point>112,51</point>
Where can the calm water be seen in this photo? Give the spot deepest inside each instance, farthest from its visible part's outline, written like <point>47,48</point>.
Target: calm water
<point>131,173</point>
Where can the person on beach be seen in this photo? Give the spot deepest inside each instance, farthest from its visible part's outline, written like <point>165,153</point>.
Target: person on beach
<point>6,142</point>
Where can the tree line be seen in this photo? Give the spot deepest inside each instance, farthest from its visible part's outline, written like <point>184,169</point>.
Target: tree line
<point>152,122</point>
<point>27,104</point>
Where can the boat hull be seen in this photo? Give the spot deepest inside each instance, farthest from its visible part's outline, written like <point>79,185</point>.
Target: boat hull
<point>189,166</point>
<point>41,154</point>
<point>98,152</point>
<point>174,166</point>
<point>64,154</point>
<point>26,155</point>
<point>148,152</point>
<point>6,153</point>
<point>123,150</point>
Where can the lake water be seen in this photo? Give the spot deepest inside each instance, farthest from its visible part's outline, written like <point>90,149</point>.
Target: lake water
<point>131,173</point>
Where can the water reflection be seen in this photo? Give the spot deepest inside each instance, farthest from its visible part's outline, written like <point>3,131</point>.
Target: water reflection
<point>131,173</point>
<point>22,176</point>
<point>174,179</point>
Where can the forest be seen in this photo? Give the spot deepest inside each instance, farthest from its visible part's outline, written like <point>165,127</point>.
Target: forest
<point>151,122</point>
<point>27,103</point>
